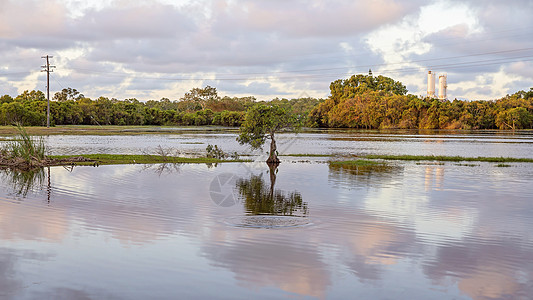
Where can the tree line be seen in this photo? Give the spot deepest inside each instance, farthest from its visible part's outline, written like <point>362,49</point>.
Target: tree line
<point>199,106</point>
<point>370,102</point>
<point>361,101</point>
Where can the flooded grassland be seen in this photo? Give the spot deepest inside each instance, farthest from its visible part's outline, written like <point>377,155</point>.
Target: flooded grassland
<point>310,229</point>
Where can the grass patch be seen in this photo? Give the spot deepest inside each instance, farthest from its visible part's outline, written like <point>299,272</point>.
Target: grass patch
<point>355,163</point>
<point>120,159</point>
<point>361,167</point>
<point>467,165</point>
<point>307,155</point>
<point>449,158</point>
<point>503,165</point>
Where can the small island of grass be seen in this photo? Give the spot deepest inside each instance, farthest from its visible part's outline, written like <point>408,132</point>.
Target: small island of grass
<point>121,159</point>
<point>355,163</point>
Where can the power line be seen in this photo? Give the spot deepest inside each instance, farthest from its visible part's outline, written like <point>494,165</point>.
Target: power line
<point>53,77</point>
<point>237,77</point>
<point>233,76</point>
<point>245,76</point>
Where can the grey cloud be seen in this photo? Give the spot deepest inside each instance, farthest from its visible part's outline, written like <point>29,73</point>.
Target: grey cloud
<point>503,15</point>
<point>300,18</point>
<point>147,84</point>
<point>42,42</point>
<point>6,89</point>
<point>53,20</point>
<point>255,88</point>
<point>143,22</point>
<point>31,18</point>
<point>524,69</point>
<point>518,85</point>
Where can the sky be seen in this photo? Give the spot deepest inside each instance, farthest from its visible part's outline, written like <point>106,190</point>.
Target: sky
<point>264,48</point>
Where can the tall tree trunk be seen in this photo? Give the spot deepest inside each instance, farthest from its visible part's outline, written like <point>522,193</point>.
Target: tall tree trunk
<point>272,170</point>
<point>273,157</point>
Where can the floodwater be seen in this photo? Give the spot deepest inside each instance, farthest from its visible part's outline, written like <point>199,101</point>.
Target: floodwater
<point>191,141</point>
<point>308,230</point>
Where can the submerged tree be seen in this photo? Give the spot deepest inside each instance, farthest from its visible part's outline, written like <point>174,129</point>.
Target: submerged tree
<point>263,122</point>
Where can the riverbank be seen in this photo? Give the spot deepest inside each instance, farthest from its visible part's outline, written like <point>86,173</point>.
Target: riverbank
<point>108,130</point>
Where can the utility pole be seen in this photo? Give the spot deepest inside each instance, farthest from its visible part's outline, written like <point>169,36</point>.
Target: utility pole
<point>46,68</point>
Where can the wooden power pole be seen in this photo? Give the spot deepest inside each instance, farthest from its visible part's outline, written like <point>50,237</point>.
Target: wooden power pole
<point>46,68</point>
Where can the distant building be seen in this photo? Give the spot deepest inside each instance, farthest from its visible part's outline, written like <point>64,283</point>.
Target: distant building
<point>443,85</point>
<point>431,84</point>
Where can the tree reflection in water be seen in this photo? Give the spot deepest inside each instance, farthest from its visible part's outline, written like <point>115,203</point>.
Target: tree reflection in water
<point>259,198</point>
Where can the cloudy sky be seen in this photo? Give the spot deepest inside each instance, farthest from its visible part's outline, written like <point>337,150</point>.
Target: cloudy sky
<point>265,48</point>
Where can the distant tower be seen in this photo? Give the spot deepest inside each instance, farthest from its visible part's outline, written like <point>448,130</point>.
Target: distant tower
<point>431,84</point>
<point>443,85</point>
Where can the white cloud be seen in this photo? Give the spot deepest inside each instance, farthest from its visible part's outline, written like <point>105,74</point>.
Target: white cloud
<point>458,38</point>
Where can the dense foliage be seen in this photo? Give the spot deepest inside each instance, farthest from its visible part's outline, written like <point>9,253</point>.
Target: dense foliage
<point>262,122</point>
<point>356,104</point>
<point>361,101</point>
<point>197,107</point>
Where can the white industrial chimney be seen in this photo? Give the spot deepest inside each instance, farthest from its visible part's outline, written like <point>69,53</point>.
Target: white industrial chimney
<point>443,85</point>
<point>431,84</point>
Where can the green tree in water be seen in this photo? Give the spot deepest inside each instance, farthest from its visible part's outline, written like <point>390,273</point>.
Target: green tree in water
<point>262,122</point>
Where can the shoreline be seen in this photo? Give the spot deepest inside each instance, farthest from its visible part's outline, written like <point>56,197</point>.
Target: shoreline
<point>6,130</point>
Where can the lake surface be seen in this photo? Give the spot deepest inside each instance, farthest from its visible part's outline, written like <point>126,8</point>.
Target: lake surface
<point>234,231</point>
<point>192,141</point>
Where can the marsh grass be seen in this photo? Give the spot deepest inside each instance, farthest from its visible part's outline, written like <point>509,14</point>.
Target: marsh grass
<point>467,165</point>
<point>360,168</point>
<point>307,155</point>
<point>119,159</point>
<point>358,163</point>
<point>449,158</point>
<point>503,166</point>
<point>23,150</point>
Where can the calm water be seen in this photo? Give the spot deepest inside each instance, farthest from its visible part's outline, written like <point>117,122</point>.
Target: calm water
<point>341,142</point>
<point>235,231</point>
